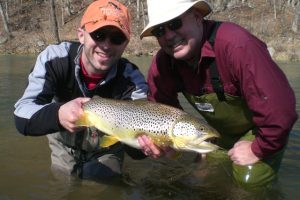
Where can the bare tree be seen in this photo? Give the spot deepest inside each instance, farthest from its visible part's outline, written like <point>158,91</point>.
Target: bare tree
<point>275,9</point>
<point>66,7</point>
<point>295,22</point>
<point>53,20</point>
<point>138,9</point>
<point>5,22</point>
<point>143,13</point>
<point>6,10</point>
<point>69,8</point>
<point>62,4</point>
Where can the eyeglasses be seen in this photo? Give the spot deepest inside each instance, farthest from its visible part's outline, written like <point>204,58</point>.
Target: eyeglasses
<point>173,25</point>
<point>116,38</point>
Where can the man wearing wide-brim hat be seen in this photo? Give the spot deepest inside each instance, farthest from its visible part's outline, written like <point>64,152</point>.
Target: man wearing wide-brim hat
<point>229,77</point>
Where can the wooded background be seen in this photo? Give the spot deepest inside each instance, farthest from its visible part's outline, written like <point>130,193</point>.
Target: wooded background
<point>50,21</point>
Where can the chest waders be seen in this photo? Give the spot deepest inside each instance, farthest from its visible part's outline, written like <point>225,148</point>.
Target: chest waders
<point>231,116</point>
<point>79,153</point>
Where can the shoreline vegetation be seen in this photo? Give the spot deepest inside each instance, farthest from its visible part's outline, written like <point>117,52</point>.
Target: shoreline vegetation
<point>31,32</point>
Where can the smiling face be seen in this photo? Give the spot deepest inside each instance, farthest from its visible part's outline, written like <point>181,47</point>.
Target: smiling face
<point>100,55</point>
<point>184,42</point>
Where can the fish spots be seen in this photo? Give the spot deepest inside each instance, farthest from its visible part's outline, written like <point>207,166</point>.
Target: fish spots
<point>136,116</point>
<point>127,119</point>
<point>183,129</point>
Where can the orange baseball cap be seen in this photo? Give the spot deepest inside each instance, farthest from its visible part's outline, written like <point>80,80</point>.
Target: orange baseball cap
<point>102,13</point>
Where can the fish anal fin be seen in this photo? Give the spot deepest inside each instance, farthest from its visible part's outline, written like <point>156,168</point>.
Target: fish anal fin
<point>107,141</point>
<point>176,155</point>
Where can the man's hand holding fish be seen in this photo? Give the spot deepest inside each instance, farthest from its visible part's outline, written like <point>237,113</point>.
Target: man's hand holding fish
<point>153,151</point>
<point>70,112</point>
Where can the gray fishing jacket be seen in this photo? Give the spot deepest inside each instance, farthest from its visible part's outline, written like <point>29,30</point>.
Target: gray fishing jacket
<point>56,79</point>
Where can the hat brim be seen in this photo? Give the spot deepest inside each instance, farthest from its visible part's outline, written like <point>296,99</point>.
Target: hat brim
<point>202,6</point>
<point>91,27</point>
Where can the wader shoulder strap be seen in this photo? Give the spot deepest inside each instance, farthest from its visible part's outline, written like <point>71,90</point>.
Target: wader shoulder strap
<point>214,73</point>
<point>79,154</point>
<point>177,77</point>
<point>73,52</point>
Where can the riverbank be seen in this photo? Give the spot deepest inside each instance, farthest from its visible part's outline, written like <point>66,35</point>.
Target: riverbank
<point>31,31</point>
<point>280,48</point>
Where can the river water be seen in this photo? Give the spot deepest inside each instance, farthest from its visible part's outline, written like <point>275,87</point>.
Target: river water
<point>25,161</point>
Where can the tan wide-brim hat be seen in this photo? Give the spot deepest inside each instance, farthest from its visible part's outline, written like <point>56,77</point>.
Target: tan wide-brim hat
<point>160,11</point>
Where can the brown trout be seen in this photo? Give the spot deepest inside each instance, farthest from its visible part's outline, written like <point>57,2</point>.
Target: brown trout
<point>124,121</point>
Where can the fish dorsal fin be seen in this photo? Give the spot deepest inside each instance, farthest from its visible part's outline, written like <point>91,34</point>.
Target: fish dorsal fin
<point>96,97</point>
<point>140,102</point>
<point>107,141</point>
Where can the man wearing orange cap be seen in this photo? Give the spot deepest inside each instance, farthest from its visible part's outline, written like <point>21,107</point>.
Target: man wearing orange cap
<point>229,77</point>
<point>70,73</point>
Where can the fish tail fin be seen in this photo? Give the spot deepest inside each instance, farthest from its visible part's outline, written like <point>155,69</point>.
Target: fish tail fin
<point>107,141</point>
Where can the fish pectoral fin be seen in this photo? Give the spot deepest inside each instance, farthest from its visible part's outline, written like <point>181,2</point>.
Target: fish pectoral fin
<point>179,144</point>
<point>108,140</point>
<point>84,120</point>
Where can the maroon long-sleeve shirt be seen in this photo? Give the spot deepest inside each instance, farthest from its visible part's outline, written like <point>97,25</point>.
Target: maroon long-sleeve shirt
<point>246,69</point>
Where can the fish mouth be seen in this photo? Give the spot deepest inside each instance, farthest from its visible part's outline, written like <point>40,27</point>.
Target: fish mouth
<point>212,143</point>
<point>206,144</point>
<point>209,138</point>
<point>207,147</point>
<point>212,140</point>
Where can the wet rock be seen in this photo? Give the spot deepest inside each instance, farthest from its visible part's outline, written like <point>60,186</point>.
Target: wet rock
<point>40,43</point>
<point>3,39</point>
